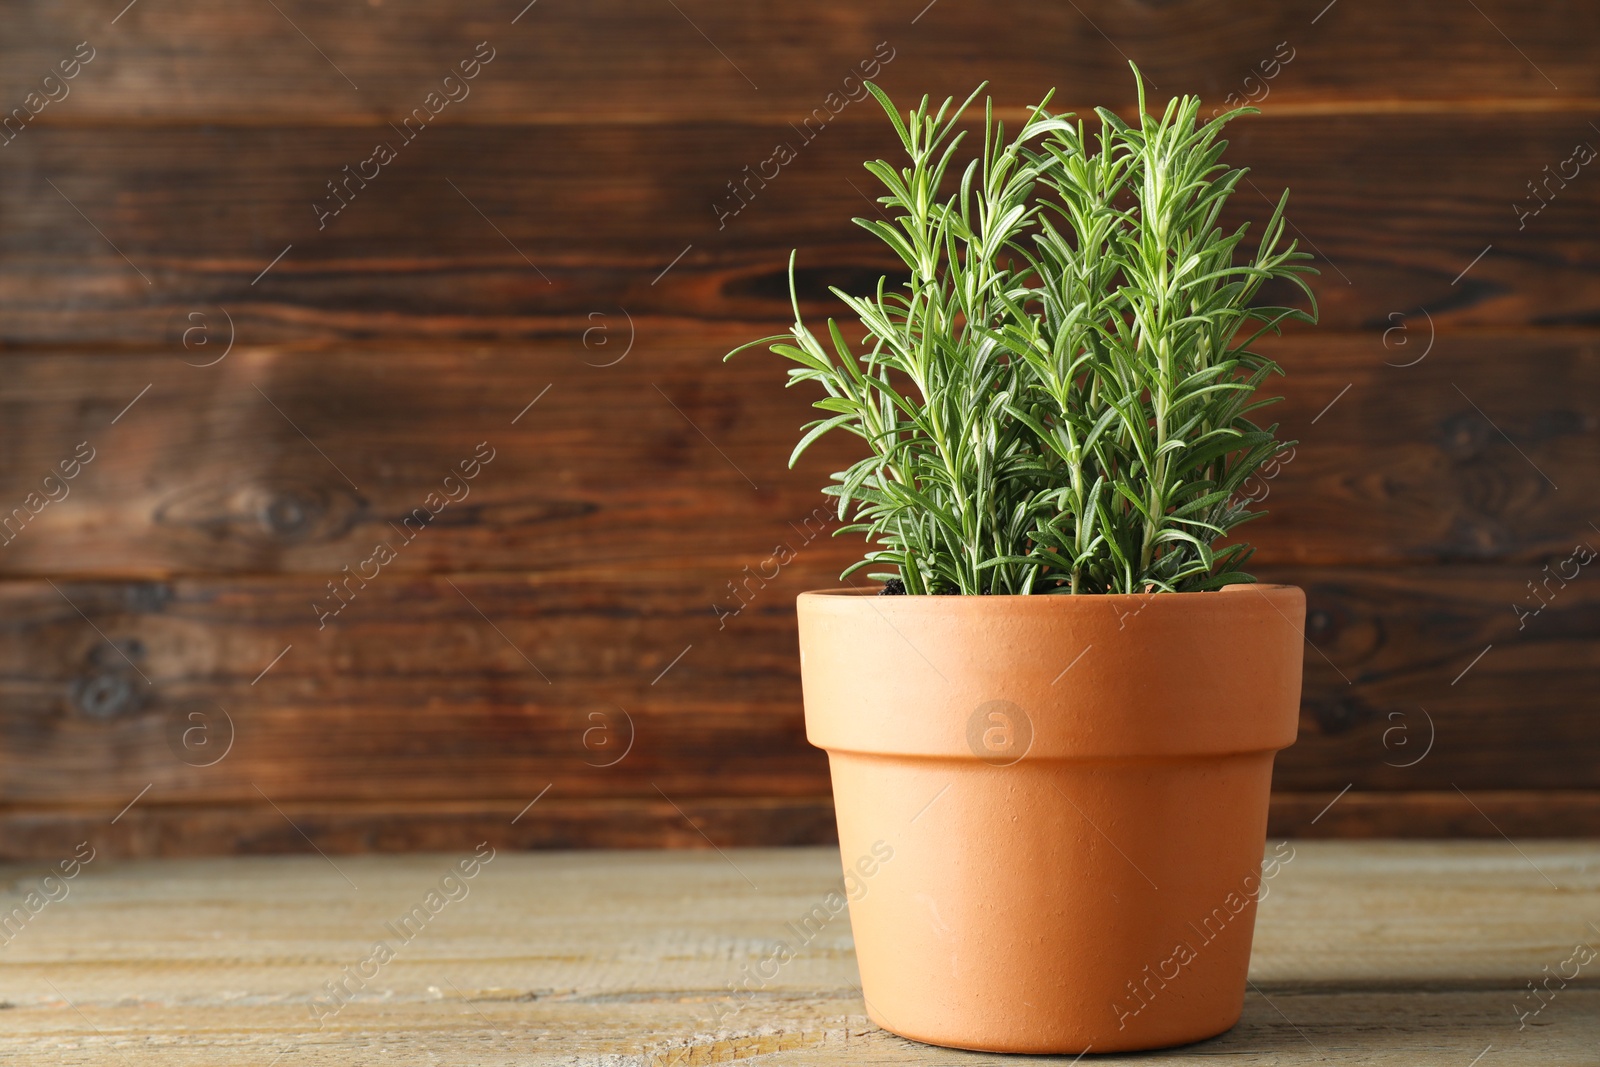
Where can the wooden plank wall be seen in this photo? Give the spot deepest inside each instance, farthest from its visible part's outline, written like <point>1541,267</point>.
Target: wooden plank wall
<point>253,390</point>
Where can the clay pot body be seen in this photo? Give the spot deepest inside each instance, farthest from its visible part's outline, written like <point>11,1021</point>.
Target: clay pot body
<point>1071,793</point>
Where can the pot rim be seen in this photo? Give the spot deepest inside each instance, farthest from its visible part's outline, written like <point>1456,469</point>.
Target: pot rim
<point>994,598</point>
<point>1188,674</point>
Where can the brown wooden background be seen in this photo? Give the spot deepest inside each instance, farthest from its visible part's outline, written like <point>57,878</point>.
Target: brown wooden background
<point>519,248</point>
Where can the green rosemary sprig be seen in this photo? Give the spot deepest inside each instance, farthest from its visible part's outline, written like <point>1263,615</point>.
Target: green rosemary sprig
<point>1058,398</point>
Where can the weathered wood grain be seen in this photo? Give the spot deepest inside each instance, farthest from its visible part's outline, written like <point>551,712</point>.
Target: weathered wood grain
<point>423,688</point>
<point>631,60</point>
<point>1396,657</point>
<point>1452,814</point>
<point>1454,458</point>
<point>1395,209</point>
<point>276,460</point>
<point>153,828</point>
<point>1386,1028</point>
<point>1364,953</point>
<point>1466,442</point>
<point>557,820</point>
<point>412,695</point>
<point>573,199</point>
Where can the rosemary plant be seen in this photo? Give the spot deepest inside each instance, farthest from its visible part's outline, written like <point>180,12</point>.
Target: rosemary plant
<point>1058,399</point>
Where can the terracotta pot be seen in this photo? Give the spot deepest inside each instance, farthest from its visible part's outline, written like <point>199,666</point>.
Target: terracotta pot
<point>1052,809</point>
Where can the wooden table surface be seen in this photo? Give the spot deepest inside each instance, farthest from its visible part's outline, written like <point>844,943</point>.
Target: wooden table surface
<point>1373,952</point>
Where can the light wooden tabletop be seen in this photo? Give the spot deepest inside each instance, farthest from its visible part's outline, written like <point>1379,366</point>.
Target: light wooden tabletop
<point>1375,953</point>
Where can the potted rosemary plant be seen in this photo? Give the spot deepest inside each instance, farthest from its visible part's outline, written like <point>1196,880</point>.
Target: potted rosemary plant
<point>1071,759</point>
